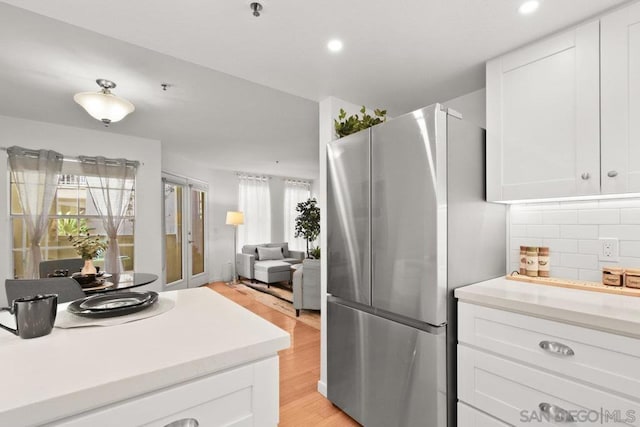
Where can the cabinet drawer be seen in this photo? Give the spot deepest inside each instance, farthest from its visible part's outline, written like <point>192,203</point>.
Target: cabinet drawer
<point>471,417</point>
<point>245,396</point>
<point>607,360</point>
<point>519,394</point>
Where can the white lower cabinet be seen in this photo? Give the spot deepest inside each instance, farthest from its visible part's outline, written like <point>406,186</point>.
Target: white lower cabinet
<point>244,396</point>
<point>523,370</point>
<point>468,416</point>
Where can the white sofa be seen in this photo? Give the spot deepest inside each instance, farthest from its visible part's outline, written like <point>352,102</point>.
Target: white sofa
<point>250,266</point>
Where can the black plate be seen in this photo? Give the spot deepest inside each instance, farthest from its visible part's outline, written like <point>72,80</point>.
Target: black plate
<point>75,306</point>
<point>114,301</point>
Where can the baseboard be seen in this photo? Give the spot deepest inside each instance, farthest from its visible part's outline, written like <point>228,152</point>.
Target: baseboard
<point>322,388</point>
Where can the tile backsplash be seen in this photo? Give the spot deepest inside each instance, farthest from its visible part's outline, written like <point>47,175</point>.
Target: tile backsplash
<point>572,231</point>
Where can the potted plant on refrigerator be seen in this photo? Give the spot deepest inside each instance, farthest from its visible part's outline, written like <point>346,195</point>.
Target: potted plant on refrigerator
<point>347,125</point>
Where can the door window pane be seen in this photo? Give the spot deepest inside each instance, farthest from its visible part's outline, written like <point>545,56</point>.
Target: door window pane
<point>197,231</point>
<point>173,231</point>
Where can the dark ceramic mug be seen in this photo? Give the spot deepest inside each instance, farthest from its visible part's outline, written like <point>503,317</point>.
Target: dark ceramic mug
<point>35,316</point>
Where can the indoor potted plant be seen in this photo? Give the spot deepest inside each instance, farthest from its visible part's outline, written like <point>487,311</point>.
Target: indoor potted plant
<point>344,125</point>
<point>88,247</point>
<point>308,222</point>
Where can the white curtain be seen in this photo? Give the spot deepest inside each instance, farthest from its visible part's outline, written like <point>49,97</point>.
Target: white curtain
<point>111,184</point>
<point>35,174</point>
<point>294,193</point>
<point>254,200</point>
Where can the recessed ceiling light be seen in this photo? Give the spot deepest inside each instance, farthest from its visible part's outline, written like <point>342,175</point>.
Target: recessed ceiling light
<point>334,45</point>
<point>528,7</point>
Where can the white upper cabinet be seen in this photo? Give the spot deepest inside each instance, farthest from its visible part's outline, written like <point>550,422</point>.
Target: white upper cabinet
<point>621,101</point>
<point>543,118</point>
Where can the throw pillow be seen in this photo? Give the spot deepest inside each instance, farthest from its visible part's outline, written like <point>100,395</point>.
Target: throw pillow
<point>265,253</point>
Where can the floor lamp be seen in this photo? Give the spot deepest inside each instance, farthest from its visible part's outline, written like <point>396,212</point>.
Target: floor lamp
<point>235,218</point>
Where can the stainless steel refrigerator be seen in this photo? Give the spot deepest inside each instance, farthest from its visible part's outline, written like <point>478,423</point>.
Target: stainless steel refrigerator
<point>407,223</point>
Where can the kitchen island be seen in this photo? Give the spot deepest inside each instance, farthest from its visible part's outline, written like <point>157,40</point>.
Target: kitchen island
<point>207,358</point>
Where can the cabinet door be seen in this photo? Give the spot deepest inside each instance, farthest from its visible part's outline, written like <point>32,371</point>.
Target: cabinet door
<point>621,101</point>
<point>543,118</point>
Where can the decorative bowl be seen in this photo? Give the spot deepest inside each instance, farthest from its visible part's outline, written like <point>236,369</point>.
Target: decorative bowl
<point>84,279</point>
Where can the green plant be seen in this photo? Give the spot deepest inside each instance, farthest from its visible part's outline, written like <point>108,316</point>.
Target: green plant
<point>88,246</point>
<point>347,125</point>
<point>71,226</point>
<point>315,252</point>
<point>308,221</point>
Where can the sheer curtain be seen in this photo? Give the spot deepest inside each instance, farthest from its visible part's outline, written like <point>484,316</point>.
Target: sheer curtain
<point>294,193</point>
<point>111,184</point>
<point>35,173</point>
<point>254,200</point>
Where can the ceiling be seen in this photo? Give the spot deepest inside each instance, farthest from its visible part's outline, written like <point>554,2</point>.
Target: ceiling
<point>398,55</point>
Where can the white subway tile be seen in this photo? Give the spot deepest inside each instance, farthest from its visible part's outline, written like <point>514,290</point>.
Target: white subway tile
<point>569,216</point>
<point>516,242</point>
<point>526,217</point>
<point>622,232</point>
<point>579,231</point>
<point>603,264</point>
<point>561,245</point>
<point>630,249</point>
<point>583,204</point>
<point>589,247</point>
<point>549,231</point>
<point>631,262</point>
<point>518,231</point>
<point>620,203</point>
<point>579,261</point>
<point>630,215</point>
<point>564,273</point>
<point>599,216</point>
<point>590,275</point>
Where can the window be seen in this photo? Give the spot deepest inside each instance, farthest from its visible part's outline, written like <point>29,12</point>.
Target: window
<point>254,199</point>
<point>294,193</point>
<point>72,211</point>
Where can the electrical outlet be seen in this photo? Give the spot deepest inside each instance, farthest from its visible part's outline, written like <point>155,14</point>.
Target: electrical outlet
<point>609,250</point>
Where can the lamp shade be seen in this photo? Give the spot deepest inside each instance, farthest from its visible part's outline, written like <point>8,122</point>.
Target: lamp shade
<point>235,218</point>
<point>105,107</point>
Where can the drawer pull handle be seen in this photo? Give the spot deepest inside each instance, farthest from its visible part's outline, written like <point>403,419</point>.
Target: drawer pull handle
<point>556,413</point>
<point>185,422</point>
<point>557,348</point>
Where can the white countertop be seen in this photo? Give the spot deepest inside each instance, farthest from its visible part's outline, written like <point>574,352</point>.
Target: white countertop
<point>607,312</point>
<point>74,370</point>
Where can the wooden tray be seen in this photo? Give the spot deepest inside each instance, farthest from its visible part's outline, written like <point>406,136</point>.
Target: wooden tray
<point>576,284</point>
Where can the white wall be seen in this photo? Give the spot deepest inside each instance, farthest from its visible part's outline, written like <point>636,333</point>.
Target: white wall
<point>329,110</point>
<point>71,141</point>
<point>472,106</point>
<point>223,190</point>
<point>571,231</point>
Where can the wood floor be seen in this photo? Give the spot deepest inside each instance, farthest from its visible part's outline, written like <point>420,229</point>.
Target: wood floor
<point>300,403</point>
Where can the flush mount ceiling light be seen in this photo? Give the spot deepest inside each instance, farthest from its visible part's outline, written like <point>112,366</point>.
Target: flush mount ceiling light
<point>104,105</point>
<point>528,7</point>
<point>334,45</point>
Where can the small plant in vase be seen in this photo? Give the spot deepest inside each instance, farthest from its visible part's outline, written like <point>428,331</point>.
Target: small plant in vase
<point>88,247</point>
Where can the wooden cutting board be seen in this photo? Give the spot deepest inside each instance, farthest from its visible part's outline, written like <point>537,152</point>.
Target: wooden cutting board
<point>576,284</point>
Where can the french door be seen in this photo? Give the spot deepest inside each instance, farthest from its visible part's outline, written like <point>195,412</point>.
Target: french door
<point>184,225</point>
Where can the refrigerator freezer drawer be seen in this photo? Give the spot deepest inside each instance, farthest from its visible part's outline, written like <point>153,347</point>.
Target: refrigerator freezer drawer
<point>384,373</point>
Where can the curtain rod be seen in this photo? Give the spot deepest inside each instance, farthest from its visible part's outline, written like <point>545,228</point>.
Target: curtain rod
<point>79,159</point>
